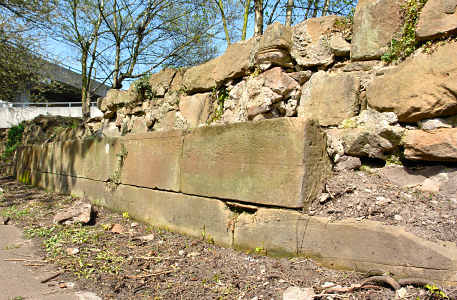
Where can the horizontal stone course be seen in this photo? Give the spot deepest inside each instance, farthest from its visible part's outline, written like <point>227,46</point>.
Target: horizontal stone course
<point>347,244</point>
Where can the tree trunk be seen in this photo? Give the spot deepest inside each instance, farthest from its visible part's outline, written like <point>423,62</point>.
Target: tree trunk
<point>325,9</point>
<point>290,7</point>
<point>85,93</point>
<point>316,8</point>
<point>224,20</point>
<point>308,9</point>
<point>245,18</point>
<point>258,6</point>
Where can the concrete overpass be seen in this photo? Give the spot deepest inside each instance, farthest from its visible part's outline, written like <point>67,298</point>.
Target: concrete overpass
<point>69,76</point>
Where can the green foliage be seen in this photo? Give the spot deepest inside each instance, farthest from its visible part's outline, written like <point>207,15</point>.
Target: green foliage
<point>436,291</point>
<point>405,45</point>
<point>14,140</point>
<point>219,96</point>
<point>144,88</point>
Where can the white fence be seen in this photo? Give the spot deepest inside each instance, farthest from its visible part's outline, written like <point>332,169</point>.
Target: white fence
<point>13,113</point>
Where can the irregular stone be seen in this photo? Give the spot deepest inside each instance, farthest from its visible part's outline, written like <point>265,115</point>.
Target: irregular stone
<point>369,134</point>
<point>160,82</point>
<point>310,45</point>
<point>349,244</point>
<point>437,18</point>
<point>422,87</point>
<point>435,145</point>
<point>234,63</point>
<point>279,162</point>
<point>273,47</point>
<point>258,95</point>
<point>359,66</point>
<point>195,109</point>
<point>301,76</point>
<point>279,82</point>
<point>117,98</point>
<point>431,124</point>
<point>330,98</point>
<point>117,228</point>
<point>78,213</point>
<point>87,296</point>
<point>403,176</point>
<point>430,185</point>
<point>296,293</point>
<point>375,23</point>
<point>338,44</point>
<point>347,163</point>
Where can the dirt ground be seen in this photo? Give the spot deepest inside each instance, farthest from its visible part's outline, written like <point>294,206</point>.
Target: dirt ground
<point>118,258</point>
<point>369,195</point>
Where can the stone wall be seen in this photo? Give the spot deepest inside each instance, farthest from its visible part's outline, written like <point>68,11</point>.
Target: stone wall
<point>193,151</point>
<point>323,68</point>
<point>244,185</point>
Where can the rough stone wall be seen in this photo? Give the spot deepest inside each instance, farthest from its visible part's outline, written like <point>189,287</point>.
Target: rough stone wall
<point>247,183</point>
<point>323,68</point>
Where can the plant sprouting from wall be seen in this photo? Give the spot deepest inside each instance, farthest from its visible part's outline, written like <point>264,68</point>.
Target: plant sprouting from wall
<point>219,96</point>
<point>143,87</point>
<point>406,44</point>
<point>115,179</point>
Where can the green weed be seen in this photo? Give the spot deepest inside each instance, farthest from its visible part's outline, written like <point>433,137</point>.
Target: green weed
<point>406,44</point>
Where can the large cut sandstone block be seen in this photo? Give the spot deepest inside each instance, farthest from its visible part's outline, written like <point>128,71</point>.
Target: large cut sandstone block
<point>424,86</point>
<point>279,162</point>
<point>375,23</point>
<point>349,244</point>
<point>232,64</point>
<point>186,214</point>
<point>437,18</point>
<point>330,98</point>
<point>433,145</point>
<point>152,160</point>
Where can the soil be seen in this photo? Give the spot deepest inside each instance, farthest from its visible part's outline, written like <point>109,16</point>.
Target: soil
<point>369,195</point>
<point>118,258</point>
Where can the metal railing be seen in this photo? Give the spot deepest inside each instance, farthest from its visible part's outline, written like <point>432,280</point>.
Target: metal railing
<point>44,104</point>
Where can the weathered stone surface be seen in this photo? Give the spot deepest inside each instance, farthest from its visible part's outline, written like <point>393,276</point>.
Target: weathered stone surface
<point>310,43</point>
<point>347,244</point>
<point>262,95</point>
<point>152,160</point>
<point>330,98</point>
<point>375,23</point>
<point>116,98</point>
<point>195,216</point>
<point>273,47</point>
<point>278,162</point>
<point>234,63</point>
<point>196,108</point>
<point>369,134</point>
<point>437,18</point>
<point>160,82</point>
<point>186,214</point>
<point>424,86</point>
<point>338,45</point>
<point>301,77</point>
<point>296,293</point>
<point>347,163</point>
<point>431,124</point>
<point>436,145</point>
<point>79,213</point>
